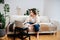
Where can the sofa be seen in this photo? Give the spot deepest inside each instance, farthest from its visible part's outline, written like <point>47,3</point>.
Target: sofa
<point>46,24</point>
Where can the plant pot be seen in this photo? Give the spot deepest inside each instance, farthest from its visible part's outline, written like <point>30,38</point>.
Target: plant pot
<point>2,32</point>
<point>0,25</point>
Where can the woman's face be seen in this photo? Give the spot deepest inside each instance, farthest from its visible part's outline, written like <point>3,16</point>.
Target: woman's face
<point>31,13</point>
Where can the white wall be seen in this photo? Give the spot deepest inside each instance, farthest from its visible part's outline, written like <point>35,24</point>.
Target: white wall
<point>52,9</point>
<point>1,8</point>
<point>24,5</point>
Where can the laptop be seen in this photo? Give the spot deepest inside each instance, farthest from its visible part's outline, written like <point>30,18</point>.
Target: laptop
<point>19,24</point>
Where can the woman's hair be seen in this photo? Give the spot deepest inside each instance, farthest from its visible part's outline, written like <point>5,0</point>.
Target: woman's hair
<point>34,11</point>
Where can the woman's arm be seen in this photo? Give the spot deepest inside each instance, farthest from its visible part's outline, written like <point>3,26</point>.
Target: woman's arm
<point>37,20</point>
<point>27,20</point>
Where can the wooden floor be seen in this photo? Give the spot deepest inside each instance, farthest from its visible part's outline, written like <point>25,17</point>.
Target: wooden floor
<point>43,37</point>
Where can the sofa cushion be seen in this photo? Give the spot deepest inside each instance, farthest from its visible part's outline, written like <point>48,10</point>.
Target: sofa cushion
<point>44,27</point>
<point>44,19</point>
<point>17,18</point>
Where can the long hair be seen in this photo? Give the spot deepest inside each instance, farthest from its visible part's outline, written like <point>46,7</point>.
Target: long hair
<point>34,11</point>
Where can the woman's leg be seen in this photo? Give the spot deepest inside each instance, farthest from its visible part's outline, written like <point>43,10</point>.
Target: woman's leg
<point>37,35</point>
<point>36,26</point>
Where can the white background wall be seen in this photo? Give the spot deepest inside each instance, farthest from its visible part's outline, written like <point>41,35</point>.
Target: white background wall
<point>1,8</point>
<point>24,5</point>
<point>49,8</point>
<point>52,9</point>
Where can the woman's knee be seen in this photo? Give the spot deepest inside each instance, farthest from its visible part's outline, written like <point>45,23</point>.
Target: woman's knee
<point>36,26</point>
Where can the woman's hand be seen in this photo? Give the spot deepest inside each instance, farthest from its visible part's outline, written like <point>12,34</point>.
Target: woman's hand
<point>30,25</point>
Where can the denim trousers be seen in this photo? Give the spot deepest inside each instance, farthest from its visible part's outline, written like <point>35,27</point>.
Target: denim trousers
<point>36,26</point>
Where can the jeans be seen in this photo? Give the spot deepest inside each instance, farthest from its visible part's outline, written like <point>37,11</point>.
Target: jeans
<point>36,26</point>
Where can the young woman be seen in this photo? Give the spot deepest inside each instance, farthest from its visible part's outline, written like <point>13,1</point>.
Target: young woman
<point>33,20</point>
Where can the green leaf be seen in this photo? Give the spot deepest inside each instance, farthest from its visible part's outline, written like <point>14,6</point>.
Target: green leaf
<point>2,20</point>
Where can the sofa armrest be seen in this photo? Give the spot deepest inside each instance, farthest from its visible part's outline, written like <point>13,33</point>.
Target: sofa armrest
<point>10,27</point>
<point>47,27</point>
<point>55,23</point>
<point>7,28</point>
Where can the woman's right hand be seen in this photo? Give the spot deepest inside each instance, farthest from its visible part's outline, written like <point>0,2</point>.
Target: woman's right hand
<point>30,25</point>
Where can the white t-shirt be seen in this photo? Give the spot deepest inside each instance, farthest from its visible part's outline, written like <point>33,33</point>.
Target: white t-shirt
<point>33,20</point>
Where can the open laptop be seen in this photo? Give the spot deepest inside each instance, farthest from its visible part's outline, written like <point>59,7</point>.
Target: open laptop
<point>19,24</point>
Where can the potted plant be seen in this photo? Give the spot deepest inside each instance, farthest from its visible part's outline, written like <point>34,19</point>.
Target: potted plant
<point>2,25</point>
<point>27,12</point>
<point>6,9</point>
<point>3,20</point>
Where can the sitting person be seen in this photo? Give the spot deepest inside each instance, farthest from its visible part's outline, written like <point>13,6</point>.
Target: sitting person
<point>33,20</point>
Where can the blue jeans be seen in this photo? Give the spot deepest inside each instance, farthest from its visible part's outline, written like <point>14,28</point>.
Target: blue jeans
<point>36,26</point>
